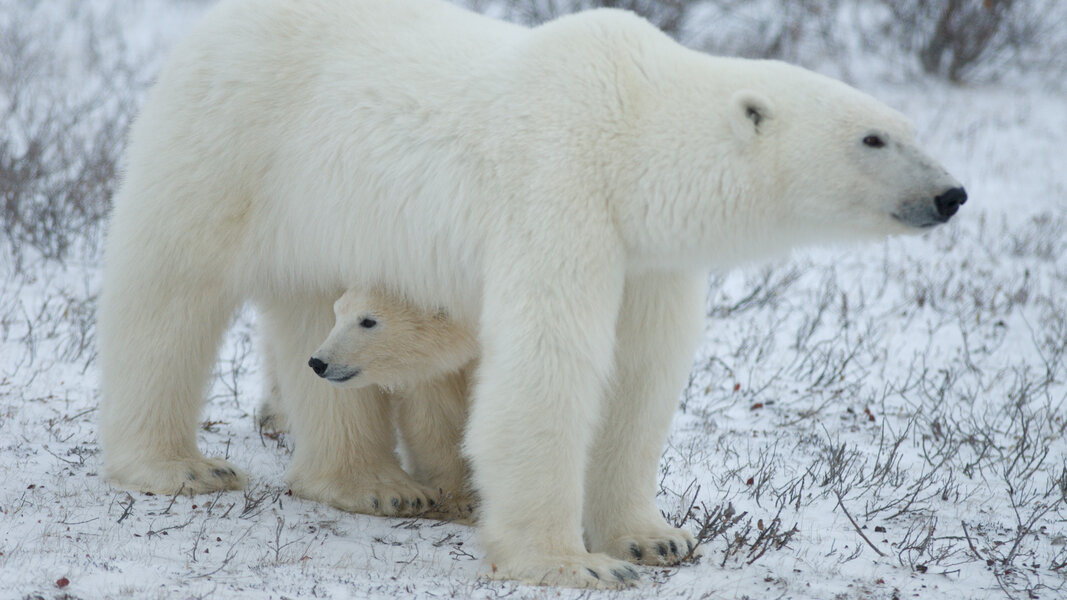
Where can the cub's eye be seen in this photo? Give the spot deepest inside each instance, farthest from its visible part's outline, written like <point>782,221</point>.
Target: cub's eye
<point>368,323</point>
<point>873,141</point>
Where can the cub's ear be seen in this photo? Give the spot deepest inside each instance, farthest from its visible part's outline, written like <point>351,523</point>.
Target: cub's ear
<point>750,113</point>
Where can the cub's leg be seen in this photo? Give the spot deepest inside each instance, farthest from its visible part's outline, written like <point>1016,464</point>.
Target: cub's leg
<point>271,415</point>
<point>431,417</point>
<point>343,438</point>
<point>659,327</point>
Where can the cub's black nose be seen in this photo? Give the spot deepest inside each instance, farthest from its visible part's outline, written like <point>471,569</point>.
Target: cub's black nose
<point>948,203</point>
<point>317,365</point>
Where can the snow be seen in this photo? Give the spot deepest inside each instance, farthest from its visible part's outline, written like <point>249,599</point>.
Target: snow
<point>917,384</point>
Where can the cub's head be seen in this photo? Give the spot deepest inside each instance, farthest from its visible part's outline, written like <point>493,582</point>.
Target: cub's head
<point>381,339</point>
<point>839,163</point>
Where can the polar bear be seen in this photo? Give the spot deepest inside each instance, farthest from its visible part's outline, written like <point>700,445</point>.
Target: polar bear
<point>561,190</point>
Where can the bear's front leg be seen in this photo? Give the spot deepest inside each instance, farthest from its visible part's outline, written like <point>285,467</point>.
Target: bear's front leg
<point>547,332</point>
<point>344,442</point>
<point>659,327</point>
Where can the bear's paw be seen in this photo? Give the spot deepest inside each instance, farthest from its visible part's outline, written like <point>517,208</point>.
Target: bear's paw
<point>586,570</point>
<point>667,546</point>
<point>390,493</point>
<point>198,475</point>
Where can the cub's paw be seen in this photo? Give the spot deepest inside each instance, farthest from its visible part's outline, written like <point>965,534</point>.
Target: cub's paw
<point>665,547</point>
<point>387,493</point>
<point>188,476</point>
<point>456,507</point>
<point>586,570</point>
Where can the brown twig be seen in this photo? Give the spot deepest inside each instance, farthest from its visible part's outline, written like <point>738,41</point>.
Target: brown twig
<point>858,530</point>
<point>970,543</point>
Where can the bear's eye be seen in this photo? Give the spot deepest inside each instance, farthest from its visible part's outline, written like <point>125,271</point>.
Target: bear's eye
<point>873,141</point>
<point>368,323</point>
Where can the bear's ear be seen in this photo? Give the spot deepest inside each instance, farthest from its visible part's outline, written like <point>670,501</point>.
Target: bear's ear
<point>749,113</point>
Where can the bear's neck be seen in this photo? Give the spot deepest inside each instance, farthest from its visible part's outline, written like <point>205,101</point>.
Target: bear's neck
<point>718,219</point>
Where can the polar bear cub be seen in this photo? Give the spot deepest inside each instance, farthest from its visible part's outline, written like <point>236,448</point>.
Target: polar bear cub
<point>423,359</point>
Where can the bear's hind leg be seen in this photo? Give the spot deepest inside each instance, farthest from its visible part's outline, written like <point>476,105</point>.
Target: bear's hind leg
<point>344,442</point>
<point>158,336</point>
<point>659,326</point>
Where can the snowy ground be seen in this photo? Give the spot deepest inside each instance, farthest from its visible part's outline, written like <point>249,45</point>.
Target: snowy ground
<point>885,421</point>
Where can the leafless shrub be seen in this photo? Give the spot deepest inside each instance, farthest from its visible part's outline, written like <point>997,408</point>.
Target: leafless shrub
<point>967,39</point>
<point>793,30</point>
<point>257,500</point>
<point>64,114</point>
<point>920,549</point>
<point>230,371</point>
<point>1043,238</point>
<point>956,39</point>
<point>277,545</point>
<point>1011,551</point>
<point>748,542</point>
<point>745,542</point>
<point>61,318</point>
<point>765,288</point>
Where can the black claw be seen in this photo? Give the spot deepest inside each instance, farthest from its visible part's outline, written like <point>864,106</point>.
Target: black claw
<point>619,575</point>
<point>593,573</point>
<point>633,573</point>
<point>691,546</point>
<point>395,502</point>
<point>674,547</point>
<point>635,551</point>
<point>418,504</point>
<point>431,502</point>
<point>374,502</point>
<point>662,549</point>
<point>190,476</point>
<point>219,472</point>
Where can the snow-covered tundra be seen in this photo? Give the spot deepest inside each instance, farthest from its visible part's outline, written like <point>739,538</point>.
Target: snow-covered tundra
<point>561,190</point>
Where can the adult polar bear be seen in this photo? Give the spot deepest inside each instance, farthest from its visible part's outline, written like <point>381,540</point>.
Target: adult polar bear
<point>562,189</point>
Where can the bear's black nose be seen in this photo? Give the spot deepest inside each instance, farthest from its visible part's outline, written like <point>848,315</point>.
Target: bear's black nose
<point>317,365</point>
<point>949,202</point>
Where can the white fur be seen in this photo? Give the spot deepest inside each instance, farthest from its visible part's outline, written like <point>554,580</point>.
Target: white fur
<point>559,189</point>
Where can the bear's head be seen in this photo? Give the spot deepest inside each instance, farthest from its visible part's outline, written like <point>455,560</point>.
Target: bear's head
<point>840,159</point>
<point>758,157</point>
<point>381,339</point>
